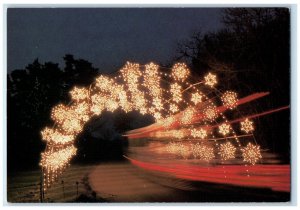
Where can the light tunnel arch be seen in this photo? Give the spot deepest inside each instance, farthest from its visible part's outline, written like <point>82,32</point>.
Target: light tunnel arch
<point>186,116</point>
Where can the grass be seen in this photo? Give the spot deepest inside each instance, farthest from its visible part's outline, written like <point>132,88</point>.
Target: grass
<point>24,187</point>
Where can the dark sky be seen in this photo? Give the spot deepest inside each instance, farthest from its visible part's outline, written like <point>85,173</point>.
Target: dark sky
<point>105,37</point>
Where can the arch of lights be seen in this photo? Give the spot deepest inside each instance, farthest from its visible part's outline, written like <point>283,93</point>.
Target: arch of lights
<point>189,116</point>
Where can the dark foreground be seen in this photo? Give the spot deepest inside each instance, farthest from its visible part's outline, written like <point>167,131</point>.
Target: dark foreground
<point>123,182</point>
<point>126,183</point>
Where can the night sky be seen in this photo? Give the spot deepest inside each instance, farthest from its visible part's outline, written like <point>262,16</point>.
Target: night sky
<point>106,37</point>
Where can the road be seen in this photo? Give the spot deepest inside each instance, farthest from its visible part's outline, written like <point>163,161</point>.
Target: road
<point>123,182</point>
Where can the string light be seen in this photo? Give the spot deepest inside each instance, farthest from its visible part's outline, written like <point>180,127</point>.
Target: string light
<point>201,133</point>
<point>157,102</point>
<point>247,125</point>
<point>229,99</point>
<point>157,116</point>
<point>176,92</point>
<point>172,147</point>
<point>251,153</point>
<point>224,129</point>
<point>58,159</point>
<point>53,136</point>
<point>227,151</point>
<point>174,108</point>
<point>103,83</point>
<point>180,71</point>
<point>187,116</point>
<point>210,80</point>
<point>178,149</point>
<point>210,113</point>
<point>183,150</point>
<point>59,113</point>
<point>97,104</point>
<point>168,122</point>
<point>78,94</point>
<point>202,152</point>
<point>196,98</point>
<point>177,134</point>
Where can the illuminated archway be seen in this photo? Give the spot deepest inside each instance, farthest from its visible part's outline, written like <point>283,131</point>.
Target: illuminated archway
<point>183,109</point>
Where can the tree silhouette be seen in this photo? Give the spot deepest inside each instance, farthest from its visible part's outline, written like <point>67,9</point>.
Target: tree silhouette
<point>31,93</point>
<point>253,48</point>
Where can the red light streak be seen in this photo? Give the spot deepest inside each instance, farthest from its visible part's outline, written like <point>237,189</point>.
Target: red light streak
<point>145,131</point>
<point>276,177</point>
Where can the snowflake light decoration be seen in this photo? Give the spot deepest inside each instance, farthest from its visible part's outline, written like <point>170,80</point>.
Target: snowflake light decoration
<point>202,152</point>
<point>176,92</point>
<point>172,147</point>
<point>251,153</point>
<point>210,113</point>
<point>179,149</point>
<point>227,151</point>
<point>229,99</point>
<point>180,71</point>
<point>196,98</point>
<point>78,94</point>
<point>183,150</point>
<point>210,80</point>
<point>187,116</point>
<point>201,133</point>
<point>177,134</point>
<point>224,129</point>
<point>167,122</point>
<point>247,125</point>
<point>174,108</point>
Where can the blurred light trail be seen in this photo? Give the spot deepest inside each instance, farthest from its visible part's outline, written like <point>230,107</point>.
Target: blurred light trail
<point>145,131</point>
<point>276,177</point>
